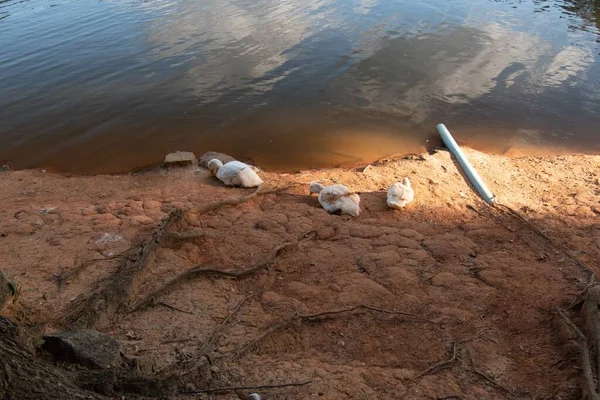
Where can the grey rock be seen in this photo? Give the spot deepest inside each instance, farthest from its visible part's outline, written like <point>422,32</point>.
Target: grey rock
<point>180,159</point>
<point>210,155</point>
<point>89,348</point>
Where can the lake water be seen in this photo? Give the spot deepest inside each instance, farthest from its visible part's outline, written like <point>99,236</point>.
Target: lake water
<point>93,86</point>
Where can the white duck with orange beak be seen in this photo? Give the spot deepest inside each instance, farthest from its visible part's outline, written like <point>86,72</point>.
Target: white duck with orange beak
<point>235,173</point>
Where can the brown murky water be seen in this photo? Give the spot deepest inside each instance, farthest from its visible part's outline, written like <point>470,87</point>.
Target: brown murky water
<point>105,86</point>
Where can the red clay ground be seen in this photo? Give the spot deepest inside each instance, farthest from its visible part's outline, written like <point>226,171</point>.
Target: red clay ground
<point>482,283</point>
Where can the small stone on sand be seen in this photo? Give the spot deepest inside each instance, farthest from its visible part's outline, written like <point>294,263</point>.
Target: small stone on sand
<point>180,159</point>
<point>109,237</point>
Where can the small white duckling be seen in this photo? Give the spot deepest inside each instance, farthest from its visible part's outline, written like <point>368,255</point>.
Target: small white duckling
<point>235,173</point>
<point>337,198</point>
<point>400,194</point>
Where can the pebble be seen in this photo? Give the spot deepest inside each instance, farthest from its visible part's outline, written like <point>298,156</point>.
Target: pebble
<point>180,159</point>
<point>109,237</point>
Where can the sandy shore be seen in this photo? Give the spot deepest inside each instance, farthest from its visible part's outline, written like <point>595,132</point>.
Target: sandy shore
<point>477,280</point>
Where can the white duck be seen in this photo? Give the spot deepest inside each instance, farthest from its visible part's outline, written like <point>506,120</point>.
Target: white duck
<point>337,198</point>
<point>235,173</point>
<point>400,194</point>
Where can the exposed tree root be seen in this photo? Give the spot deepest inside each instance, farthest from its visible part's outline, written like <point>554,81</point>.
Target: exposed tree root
<point>261,190</point>
<point>187,235</point>
<point>300,317</point>
<point>64,276</point>
<point>217,333</point>
<point>207,345</point>
<point>227,202</point>
<point>234,388</point>
<point>115,291</point>
<point>9,291</point>
<point>113,383</point>
<point>493,382</point>
<point>549,239</point>
<point>442,364</point>
<point>580,299</point>
<point>174,240</point>
<point>472,208</point>
<point>592,320</point>
<point>200,270</point>
<point>170,307</point>
<point>586,364</point>
<point>25,377</point>
<point>449,362</point>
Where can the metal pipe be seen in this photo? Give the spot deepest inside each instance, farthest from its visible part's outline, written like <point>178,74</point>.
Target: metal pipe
<point>473,176</point>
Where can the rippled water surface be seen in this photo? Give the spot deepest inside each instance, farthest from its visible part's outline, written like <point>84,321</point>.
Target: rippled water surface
<point>103,86</point>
